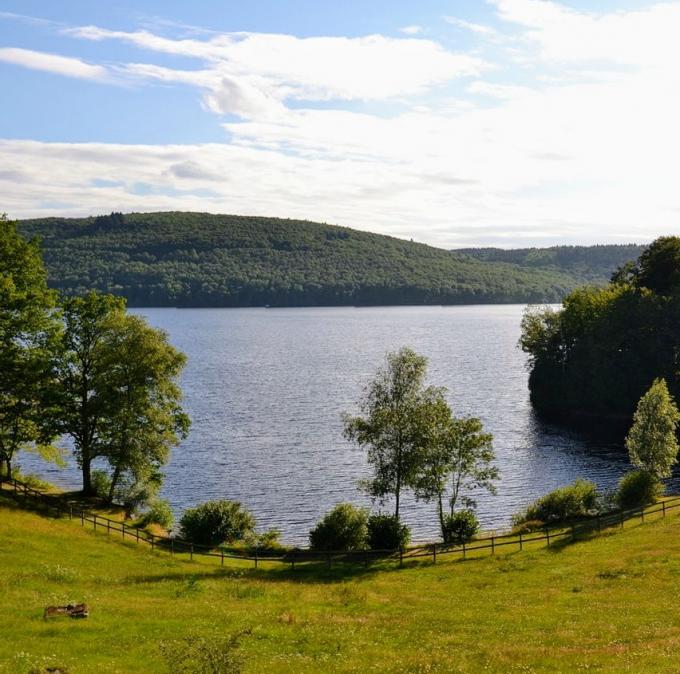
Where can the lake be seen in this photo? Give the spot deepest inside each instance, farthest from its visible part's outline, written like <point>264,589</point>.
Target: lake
<point>266,389</point>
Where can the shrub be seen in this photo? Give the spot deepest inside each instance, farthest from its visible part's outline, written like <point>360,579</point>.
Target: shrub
<point>345,527</point>
<point>386,532</point>
<point>159,513</point>
<point>32,480</point>
<point>203,655</point>
<point>101,483</point>
<point>528,527</point>
<point>460,527</point>
<point>575,500</point>
<point>216,522</point>
<point>638,488</point>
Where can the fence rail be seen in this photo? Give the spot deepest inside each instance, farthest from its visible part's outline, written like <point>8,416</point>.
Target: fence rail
<point>177,546</point>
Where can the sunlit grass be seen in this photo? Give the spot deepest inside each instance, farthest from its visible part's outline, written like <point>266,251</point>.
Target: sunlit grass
<point>606,604</point>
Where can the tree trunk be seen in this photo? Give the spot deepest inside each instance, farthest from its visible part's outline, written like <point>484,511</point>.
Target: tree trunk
<point>114,483</point>
<point>87,474</point>
<point>441,515</point>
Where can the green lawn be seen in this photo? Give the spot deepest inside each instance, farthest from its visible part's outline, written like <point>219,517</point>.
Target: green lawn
<point>608,604</point>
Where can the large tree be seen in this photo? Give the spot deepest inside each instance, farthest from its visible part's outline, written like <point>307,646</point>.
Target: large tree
<point>458,462</point>
<point>394,423</point>
<point>27,330</point>
<point>652,441</point>
<point>144,417</point>
<point>118,395</point>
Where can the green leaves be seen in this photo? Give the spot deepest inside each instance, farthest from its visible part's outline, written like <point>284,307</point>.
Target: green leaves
<point>652,440</point>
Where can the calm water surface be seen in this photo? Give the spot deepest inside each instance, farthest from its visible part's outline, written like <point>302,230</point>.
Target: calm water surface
<point>266,388</point>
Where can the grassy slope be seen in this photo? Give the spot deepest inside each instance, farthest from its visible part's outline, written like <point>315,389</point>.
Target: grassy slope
<point>604,605</point>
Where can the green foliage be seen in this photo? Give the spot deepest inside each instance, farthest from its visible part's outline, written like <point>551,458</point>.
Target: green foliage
<point>27,330</point>
<point>637,489</point>
<point>199,654</point>
<point>199,259</point>
<point>34,481</point>
<point>578,499</point>
<point>652,440</point>
<point>396,417</point>
<point>460,527</point>
<point>345,527</point>
<point>216,522</point>
<point>528,527</point>
<point>101,483</point>
<point>386,532</point>
<point>159,512</point>
<point>594,359</point>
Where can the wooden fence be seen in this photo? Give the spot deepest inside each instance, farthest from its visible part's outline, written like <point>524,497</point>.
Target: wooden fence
<point>177,546</point>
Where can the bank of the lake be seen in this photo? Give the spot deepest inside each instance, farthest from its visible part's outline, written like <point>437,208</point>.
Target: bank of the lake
<point>266,389</point>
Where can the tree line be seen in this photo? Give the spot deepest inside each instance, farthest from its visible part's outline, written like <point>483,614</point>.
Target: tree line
<point>199,259</point>
<point>594,358</point>
<point>83,367</point>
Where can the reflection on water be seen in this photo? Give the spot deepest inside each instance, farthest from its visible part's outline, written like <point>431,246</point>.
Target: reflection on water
<point>266,389</point>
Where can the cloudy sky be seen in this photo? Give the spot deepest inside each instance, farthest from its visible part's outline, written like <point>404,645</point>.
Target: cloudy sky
<point>497,122</point>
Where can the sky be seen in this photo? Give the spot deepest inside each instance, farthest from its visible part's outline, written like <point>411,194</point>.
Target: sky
<point>504,123</point>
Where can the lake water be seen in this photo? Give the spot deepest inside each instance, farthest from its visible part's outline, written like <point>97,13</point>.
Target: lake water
<point>266,388</point>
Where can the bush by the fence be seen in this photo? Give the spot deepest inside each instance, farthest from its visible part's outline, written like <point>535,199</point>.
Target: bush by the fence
<point>528,527</point>
<point>101,483</point>
<point>342,528</point>
<point>566,503</point>
<point>216,522</point>
<point>159,513</point>
<point>460,527</point>
<point>638,488</point>
<point>386,532</point>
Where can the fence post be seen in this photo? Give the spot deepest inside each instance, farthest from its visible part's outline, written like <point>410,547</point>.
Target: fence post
<point>463,550</point>
<point>622,519</point>
<point>222,556</point>
<point>256,558</point>
<point>137,533</point>
<point>642,514</point>
<point>521,547</point>
<point>547,535</point>
<point>172,547</point>
<point>108,526</point>
<point>152,541</point>
<point>123,529</point>
<point>82,518</point>
<point>94,522</point>
<point>401,557</point>
<point>663,505</point>
<point>493,546</point>
<point>191,552</point>
<point>70,512</point>
<point>434,553</point>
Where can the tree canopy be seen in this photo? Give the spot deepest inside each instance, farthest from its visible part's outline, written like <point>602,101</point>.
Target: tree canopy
<point>199,259</point>
<point>597,356</point>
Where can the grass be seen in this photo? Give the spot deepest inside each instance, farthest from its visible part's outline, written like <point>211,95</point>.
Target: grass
<point>605,604</point>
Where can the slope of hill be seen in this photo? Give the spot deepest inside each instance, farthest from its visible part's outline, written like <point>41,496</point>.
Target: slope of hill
<point>608,604</point>
<point>199,259</point>
<point>588,263</point>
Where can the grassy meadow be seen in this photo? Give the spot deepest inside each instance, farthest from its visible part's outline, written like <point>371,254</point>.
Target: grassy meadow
<point>606,604</point>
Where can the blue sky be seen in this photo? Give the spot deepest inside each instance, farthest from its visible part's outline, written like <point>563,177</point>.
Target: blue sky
<point>507,122</point>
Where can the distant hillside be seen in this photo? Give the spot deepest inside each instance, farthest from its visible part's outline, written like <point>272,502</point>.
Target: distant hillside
<point>199,259</point>
<point>586,263</point>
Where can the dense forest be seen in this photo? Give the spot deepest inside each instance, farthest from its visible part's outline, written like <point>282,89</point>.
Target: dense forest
<point>199,259</point>
<point>596,357</point>
<point>591,264</point>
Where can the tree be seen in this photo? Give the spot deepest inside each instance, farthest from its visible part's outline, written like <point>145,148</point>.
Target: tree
<point>659,266</point>
<point>396,411</point>
<point>143,417</point>
<point>459,461</point>
<point>27,330</point>
<point>83,393</point>
<point>652,441</point>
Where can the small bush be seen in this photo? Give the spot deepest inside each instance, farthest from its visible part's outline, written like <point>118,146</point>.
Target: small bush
<point>386,532</point>
<point>528,527</point>
<point>101,483</point>
<point>345,527</point>
<point>566,503</point>
<point>637,489</point>
<point>204,655</point>
<point>159,513</point>
<point>216,522</point>
<point>460,527</point>
<point>32,480</point>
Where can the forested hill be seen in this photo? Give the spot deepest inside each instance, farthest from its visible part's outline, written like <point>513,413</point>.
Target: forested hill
<point>588,263</point>
<point>199,259</point>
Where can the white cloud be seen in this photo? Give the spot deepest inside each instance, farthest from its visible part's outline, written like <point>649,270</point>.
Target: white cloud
<point>411,30</point>
<point>478,28</point>
<point>575,139</point>
<point>53,63</point>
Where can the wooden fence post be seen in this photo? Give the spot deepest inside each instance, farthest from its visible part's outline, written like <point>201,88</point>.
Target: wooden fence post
<point>521,547</point>
<point>82,518</point>
<point>642,514</point>
<point>663,505</point>
<point>547,535</point>
<point>123,529</point>
<point>191,552</point>
<point>94,522</point>
<point>256,558</point>
<point>434,553</point>
<point>401,557</point>
<point>622,519</point>
<point>222,556</point>
<point>152,541</point>
<point>70,512</point>
<point>463,550</point>
<point>493,546</point>
<point>108,525</point>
